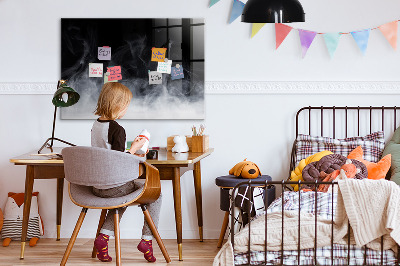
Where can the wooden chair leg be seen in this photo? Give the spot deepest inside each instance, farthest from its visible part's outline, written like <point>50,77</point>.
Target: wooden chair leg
<point>73,237</point>
<point>117,238</point>
<point>101,222</point>
<point>223,229</point>
<point>154,230</point>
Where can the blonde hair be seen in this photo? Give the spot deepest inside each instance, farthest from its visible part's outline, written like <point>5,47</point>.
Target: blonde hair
<point>113,98</point>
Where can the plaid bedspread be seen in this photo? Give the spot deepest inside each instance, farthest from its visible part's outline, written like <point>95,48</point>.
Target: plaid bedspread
<point>321,205</point>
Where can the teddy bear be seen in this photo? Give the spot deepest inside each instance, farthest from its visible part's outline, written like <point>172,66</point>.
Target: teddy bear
<point>180,144</point>
<point>245,169</point>
<point>13,215</point>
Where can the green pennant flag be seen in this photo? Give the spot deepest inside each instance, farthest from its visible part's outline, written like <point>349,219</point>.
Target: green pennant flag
<point>213,2</point>
<point>332,41</point>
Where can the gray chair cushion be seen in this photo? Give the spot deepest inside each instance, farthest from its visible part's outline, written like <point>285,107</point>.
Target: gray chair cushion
<point>83,196</point>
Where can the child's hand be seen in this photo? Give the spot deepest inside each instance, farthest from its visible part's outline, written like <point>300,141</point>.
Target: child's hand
<point>142,155</point>
<point>137,144</point>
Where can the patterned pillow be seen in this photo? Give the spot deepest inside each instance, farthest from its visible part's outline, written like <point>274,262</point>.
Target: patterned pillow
<point>372,144</point>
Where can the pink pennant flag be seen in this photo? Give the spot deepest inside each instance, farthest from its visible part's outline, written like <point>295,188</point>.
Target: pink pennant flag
<point>306,39</point>
<point>281,31</point>
<point>389,30</point>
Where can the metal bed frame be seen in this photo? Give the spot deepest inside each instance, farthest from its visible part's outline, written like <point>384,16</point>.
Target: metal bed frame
<point>284,183</point>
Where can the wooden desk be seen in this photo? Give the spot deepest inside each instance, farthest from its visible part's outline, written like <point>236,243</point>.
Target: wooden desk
<point>169,165</point>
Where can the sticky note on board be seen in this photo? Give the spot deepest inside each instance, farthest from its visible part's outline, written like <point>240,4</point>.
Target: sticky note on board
<point>177,72</point>
<point>164,67</point>
<point>95,70</point>
<point>158,54</point>
<point>104,53</point>
<point>115,73</point>
<point>155,77</point>
<point>106,78</point>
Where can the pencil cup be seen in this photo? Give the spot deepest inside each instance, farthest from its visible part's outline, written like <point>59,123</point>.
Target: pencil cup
<point>200,143</point>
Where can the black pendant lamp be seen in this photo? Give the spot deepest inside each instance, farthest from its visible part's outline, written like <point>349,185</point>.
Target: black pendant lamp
<point>273,11</point>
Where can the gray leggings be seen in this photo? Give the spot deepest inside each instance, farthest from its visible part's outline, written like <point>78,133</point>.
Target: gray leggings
<point>154,208</point>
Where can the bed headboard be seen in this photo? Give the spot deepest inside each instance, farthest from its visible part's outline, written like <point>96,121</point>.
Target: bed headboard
<point>344,121</point>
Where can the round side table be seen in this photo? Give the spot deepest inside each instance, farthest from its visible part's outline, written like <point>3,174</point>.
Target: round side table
<point>226,183</point>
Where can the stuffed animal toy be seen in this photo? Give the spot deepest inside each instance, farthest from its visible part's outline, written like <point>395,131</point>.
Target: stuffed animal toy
<point>180,144</point>
<point>245,169</point>
<point>13,215</point>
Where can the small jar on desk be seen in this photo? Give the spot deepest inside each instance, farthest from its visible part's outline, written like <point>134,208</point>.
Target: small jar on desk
<point>226,183</point>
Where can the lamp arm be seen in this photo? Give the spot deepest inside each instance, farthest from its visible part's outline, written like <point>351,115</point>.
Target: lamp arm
<point>54,126</point>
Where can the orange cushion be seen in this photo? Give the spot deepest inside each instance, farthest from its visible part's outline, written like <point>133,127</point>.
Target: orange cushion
<point>375,170</point>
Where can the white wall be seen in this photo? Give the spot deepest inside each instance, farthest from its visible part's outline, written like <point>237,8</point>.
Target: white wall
<point>259,127</point>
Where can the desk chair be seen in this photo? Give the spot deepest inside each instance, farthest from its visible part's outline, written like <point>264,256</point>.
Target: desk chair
<point>85,167</point>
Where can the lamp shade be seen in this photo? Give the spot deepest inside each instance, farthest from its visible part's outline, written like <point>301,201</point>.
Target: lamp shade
<point>273,11</point>
<point>65,96</point>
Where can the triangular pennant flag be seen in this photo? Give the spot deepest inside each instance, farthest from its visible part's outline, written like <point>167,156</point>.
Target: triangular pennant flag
<point>361,37</point>
<point>306,39</point>
<point>390,32</point>
<point>213,2</point>
<point>237,9</point>
<point>332,41</point>
<point>281,31</point>
<point>256,28</point>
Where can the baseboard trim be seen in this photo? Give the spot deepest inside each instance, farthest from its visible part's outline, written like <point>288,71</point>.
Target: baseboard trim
<point>246,87</point>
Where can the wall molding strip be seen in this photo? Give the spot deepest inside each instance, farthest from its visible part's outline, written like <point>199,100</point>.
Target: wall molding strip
<point>248,87</point>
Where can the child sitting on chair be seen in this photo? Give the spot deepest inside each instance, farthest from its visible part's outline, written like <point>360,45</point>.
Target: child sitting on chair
<point>106,133</point>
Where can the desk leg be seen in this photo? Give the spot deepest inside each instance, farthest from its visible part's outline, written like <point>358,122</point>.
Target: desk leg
<point>176,182</point>
<point>60,190</point>
<point>199,204</point>
<point>27,206</point>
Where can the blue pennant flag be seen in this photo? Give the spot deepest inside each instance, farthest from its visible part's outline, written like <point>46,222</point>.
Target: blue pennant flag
<point>213,2</point>
<point>361,37</point>
<point>332,41</point>
<point>237,9</point>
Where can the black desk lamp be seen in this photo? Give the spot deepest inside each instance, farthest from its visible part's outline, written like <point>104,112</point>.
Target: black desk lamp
<point>63,97</point>
<point>273,11</point>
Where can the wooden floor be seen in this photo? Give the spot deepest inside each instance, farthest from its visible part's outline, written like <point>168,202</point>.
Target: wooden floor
<point>50,252</point>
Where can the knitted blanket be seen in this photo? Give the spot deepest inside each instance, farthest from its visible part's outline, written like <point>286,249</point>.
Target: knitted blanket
<point>371,206</point>
<point>373,209</point>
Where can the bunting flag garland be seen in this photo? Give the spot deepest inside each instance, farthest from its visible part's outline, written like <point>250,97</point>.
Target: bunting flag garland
<point>361,37</point>
<point>256,28</point>
<point>306,39</point>
<point>213,2</point>
<point>389,30</point>
<point>332,41</point>
<point>237,9</point>
<point>281,31</point>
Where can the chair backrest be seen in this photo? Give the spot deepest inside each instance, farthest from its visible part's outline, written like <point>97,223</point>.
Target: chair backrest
<point>92,166</point>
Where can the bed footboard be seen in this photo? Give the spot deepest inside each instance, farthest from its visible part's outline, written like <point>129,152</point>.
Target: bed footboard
<point>312,259</point>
